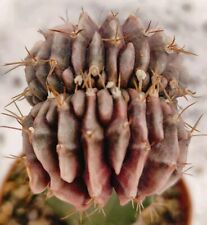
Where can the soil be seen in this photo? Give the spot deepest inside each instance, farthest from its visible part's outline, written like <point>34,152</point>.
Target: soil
<point>19,206</point>
<point>173,207</point>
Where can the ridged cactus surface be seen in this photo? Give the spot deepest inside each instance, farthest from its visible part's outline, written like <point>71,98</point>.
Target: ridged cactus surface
<point>104,113</point>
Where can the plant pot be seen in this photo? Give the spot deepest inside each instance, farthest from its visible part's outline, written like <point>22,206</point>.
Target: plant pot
<point>180,193</point>
<point>18,206</point>
<point>186,202</point>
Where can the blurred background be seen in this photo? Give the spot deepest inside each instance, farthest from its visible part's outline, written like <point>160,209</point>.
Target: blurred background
<point>186,19</point>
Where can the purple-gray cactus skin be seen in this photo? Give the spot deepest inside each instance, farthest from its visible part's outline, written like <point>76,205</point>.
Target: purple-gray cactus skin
<point>104,112</point>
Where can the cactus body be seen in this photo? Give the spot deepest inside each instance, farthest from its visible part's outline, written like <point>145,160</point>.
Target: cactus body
<point>104,112</point>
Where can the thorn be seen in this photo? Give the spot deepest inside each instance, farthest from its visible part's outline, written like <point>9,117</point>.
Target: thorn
<point>190,126</point>
<point>55,93</point>
<point>173,47</point>
<point>135,85</point>
<point>53,65</point>
<point>58,31</point>
<point>199,135</point>
<point>184,164</point>
<point>28,52</point>
<point>17,97</point>
<point>173,41</point>
<point>142,206</point>
<point>80,218</point>
<point>154,88</point>
<point>93,212</point>
<point>43,33</point>
<point>82,9</point>
<point>179,90</point>
<point>167,96</point>
<point>8,71</point>
<point>15,157</point>
<point>148,27</point>
<point>18,109</point>
<point>13,128</point>
<point>139,208</point>
<point>196,124</point>
<point>102,80</point>
<point>137,11</point>
<point>132,202</point>
<point>186,170</point>
<point>149,31</point>
<point>116,39</point>
<point>187,107</point>
<point>155,31</point>
<point>30,55</point>
<point>14,63</point>
<point>73,34</point>
<point>114,14</point>
<point>89,80</point>
<point>21,63</point>
<point>66,19</point>
<point>188,174</point>
<point>22,94</point>
<point>12,113</point>
<point>101,210</point>
<point>33,61</point>
<point>63,19</point>
<point>89,201</point>
<point>15,117</point>
<point>69,215</point>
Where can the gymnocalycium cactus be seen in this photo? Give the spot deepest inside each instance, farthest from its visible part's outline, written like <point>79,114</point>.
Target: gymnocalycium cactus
<point>104,112</point>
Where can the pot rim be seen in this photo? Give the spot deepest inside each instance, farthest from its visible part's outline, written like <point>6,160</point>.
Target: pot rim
<point>186,200</point>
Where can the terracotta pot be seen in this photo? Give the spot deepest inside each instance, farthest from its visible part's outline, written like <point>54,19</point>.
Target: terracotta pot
<point>185,199</point>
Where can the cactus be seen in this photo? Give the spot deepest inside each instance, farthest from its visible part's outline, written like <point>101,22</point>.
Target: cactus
<point>104,112</point>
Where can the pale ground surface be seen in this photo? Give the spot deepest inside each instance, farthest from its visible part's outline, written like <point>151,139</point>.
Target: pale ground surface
<point>187,20</point>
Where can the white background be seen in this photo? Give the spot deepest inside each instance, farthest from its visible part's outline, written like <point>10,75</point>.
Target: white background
<point>187,20</point>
